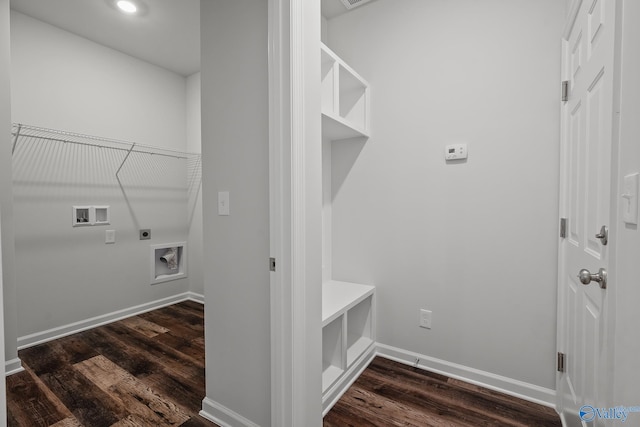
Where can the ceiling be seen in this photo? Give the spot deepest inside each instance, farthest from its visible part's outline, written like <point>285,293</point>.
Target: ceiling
<point>332,8</point>
<point>166,34</point>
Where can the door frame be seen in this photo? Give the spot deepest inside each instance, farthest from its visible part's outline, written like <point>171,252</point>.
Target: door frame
<point>3,391</point>
<point>5,129</point>
<point>562,182</point>
<point>295,212</point>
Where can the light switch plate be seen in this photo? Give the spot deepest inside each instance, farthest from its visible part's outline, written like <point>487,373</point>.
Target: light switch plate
<point>425,319</point>
<point>630,199</point>
<point>223,203</point>
<point>110,236</point>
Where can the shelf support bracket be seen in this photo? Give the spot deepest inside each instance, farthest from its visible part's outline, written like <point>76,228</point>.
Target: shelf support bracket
<point>125,159</point>
<point>15,139</point>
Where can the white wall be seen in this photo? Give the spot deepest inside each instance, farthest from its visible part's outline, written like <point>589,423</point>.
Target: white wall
<point>62,81</point>
<point>65,82</point>
<point>627,367</point>
<point>194,144</point>
<point>475,242</point>
<point>7,269</point>
<point>6,198</point>
<point>236,247</point>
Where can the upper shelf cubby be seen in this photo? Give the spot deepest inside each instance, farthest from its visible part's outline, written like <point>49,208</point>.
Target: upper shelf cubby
<point>345,99</point>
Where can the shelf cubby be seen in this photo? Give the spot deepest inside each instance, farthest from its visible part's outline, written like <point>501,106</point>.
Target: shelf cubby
<point>359,336</point>
<point>347,327</point>
<point>333,359</point>
<point>345,99</point>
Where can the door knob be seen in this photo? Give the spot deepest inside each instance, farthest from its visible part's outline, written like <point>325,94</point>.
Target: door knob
<point>586,277</point>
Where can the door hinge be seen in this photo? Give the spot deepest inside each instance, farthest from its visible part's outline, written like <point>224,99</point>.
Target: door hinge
<point>272,264</point>
<point>560,362</point>
<point>565,91</point>
<point>563,227</point>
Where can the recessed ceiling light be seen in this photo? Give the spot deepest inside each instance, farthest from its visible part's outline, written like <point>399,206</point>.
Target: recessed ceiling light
<point>127,6</point>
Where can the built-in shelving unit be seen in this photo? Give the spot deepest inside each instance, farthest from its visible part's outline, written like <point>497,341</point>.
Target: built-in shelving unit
<point>345,99</point>
<point>347,326</point>
<point>348,329</point>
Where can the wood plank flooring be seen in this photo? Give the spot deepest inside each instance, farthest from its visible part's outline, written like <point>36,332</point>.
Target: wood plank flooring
<point>392,394</point>
<point>147,370</point>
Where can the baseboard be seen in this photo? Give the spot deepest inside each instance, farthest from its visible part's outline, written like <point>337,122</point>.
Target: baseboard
<point>335,392</point>
<point>195,297</point>
<point>563,420</point>
<point>13,366</point>
<point>510,386</point>
<point>222,415</point>
<point>72,328</point>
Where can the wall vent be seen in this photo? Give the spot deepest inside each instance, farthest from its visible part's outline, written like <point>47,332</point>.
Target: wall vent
<point>351,4</point>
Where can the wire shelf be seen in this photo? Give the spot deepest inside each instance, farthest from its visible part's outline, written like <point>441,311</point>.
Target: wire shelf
<point>20,130</point>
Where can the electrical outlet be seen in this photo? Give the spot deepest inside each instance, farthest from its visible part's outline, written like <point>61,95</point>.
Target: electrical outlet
<point>425,318</point>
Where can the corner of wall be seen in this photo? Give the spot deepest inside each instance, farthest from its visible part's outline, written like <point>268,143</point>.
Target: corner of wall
<point>6,197</point>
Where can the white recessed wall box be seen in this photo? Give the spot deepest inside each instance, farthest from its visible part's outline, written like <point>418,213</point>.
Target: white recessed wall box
<point>168,262</point>
<point>90,215</point>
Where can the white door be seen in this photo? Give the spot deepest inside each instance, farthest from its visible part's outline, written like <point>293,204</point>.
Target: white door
<point>587,117</point>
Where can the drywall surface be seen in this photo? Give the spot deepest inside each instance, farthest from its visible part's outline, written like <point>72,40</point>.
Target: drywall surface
<point>66,82</point>
<point>235,149</point>
<point>627,369</point>
<point>194,144</point>
<point>193,117</point>
<point>474,241</point>
<point>6,197</point>
<point>67,274</point>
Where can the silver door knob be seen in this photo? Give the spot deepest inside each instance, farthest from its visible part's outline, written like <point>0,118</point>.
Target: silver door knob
<point>586,277</point>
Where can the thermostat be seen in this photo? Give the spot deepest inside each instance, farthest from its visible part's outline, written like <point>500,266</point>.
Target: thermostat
<point>455,152</point>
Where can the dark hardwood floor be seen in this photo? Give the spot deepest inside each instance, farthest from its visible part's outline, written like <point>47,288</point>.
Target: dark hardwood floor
<point>147,370</point>
<point>392,394</point>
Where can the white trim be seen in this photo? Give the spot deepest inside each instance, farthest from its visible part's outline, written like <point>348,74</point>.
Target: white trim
<point>13,366</point>
<point>336,391</point>
<point>279,197</point>
<point>512,387</point>
<point>295,239</point>
<point>223,416</point>
<point>571,19</point>
<point>72,328</point>
<point>562,185</point>
<point>192,296</point>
